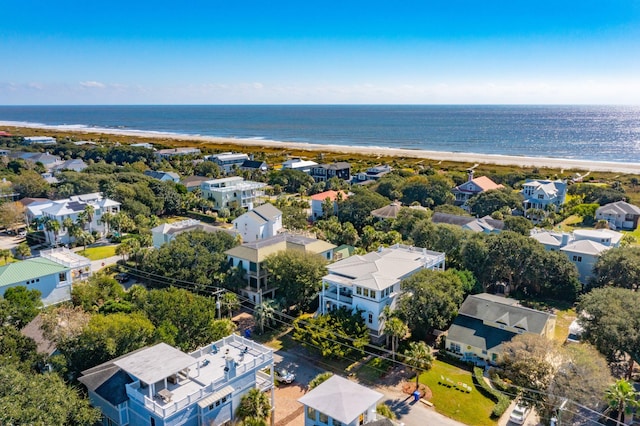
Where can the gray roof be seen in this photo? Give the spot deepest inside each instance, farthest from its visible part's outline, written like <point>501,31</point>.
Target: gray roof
<point>585,247</point>
<point>153,364</point>
<point>388,212</point>
<point>451,219</point>
<point>383,268</point>
<point>34,331</point>
<point>341,399</point>
<point>267,211</point>
<point>489,308</point>
<point>619,207</point>
<point>472,331</point>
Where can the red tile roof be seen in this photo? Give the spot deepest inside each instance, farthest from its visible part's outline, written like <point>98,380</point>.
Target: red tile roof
<point>331,195</point>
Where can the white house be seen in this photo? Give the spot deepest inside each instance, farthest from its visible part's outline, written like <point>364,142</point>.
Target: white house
<point>39,140</point>
<point>299,164</point>
<point>163,386</point>
<point>142,145</point>
<point>538,194</point>
<point>250,257</point>
<point>619,215</point>
<point>163,176</point>
<point>485,321</point>
<point>228,191</point>
<point>582,247</point>
<point>262,222</point>
<point>371,282</point>
<point>71,207</point>
<point>175,152</point>
<point>372,173</point>
<point>228,161</point>
<point>340,402</point>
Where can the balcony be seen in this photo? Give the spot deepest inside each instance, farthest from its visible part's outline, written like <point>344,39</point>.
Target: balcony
<point>345,296</point>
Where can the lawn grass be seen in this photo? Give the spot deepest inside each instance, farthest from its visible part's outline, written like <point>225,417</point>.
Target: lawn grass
<point>570,223</point>
<point>374,369</point>
<point>469,408</point>
<point>276,339</point>
<point>97,253</point>
<point>564,318</point>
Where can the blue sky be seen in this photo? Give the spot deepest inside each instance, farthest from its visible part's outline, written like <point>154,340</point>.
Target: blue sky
<point>348,52</point>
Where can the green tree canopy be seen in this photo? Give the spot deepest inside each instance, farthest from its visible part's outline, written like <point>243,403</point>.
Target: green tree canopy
<point>357,208</point>
<point>23,305</point>
<point>41,399</point>
<point>493,200</point>
<point>298,276</point>
<point>618,267</point>
<point>431,300</point>
<point>611,320</point>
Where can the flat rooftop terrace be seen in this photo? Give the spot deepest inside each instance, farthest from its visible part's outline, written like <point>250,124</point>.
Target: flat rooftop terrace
<point>181,379</point>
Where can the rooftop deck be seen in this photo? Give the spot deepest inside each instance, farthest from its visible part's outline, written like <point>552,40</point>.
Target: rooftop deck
<point>206,376</point>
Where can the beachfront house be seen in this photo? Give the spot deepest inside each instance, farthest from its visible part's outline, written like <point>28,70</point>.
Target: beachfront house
<point>228,161</point>
<point>262,222</point>
<point>160,385</point>
<point>52,273</point>
<point>251,256</point>
<point>485,322</point>
<point>372,173</point>
<point>175,152</point>
<point>319,200</point>
<point>340,402</point>
<point>543,194</point>
<point>299,164</point>
<point>371,282</point>
<point>232,191</point>
<point>619,215</point>
<point>582,247</point>
<point>71,208</point>
<point>324,172</point>
<point>39,140</point>
<point>472,187</point>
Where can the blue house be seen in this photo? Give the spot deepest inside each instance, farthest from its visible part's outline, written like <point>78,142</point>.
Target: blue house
<point>161,385</point>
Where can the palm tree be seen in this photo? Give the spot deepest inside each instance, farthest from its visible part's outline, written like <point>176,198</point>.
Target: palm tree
<point>127,247</point>
<point>396,329</point>
<point>52,226</point>
<point>419,357</point>
<point>81,220</point>
<point>254,405</point>
<point>230,302</point>
<point>5,254</point>
<point>264,313</point>
<point>622,397</point>
<point>85,238</point>
<point>106,219</point>
<point>89,212</point>
<point>23,250</point>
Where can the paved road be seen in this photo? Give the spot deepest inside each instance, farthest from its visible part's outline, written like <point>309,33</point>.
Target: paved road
<point>96,265</point>
<point>409,413</point>
<point>9,241</point>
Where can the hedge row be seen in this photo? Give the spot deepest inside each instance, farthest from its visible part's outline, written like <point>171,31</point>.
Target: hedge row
<point>501,400</point>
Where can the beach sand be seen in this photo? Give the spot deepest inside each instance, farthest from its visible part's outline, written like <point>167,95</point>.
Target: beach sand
<point>463,157</point>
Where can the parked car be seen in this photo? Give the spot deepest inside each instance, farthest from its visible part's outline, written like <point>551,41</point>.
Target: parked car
<point>282,375</point>
<point>122,277</point>
<point>519,413</point>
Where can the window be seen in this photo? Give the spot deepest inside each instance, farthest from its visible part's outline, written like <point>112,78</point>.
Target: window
<point>62,276</point>
<point>336,422</point>
<point>365,292</point>
<point>577,258</point>
<point>253,267</point>
<point>370,318</point>
<point>372,294</point>
<point>540,197</point>
<point>454,347</point>
<point>311,413</point>
<point>359,290</point>
<point>323,418</point>
<point>153,421</point>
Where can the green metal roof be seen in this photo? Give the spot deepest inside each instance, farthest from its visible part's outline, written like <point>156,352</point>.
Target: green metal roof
<point>29,269</point>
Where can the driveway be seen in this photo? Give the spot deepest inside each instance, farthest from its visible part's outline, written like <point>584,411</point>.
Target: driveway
<point>9,241</point>
<point>290,412</point>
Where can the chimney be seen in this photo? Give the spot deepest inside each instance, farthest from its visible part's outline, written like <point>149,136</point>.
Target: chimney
<point>470,174</point>
<point>229,368</point>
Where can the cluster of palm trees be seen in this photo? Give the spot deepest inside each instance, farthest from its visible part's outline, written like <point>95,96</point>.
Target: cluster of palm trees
<point>77,230</point>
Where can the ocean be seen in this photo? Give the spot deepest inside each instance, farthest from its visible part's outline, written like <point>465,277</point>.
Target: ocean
<point>596,133</point>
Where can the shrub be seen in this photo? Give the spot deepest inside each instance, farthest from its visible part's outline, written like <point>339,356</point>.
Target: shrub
<point>501,400</point>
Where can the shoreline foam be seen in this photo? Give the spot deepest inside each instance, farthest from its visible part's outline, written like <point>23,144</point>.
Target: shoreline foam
<point>461,157</point>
